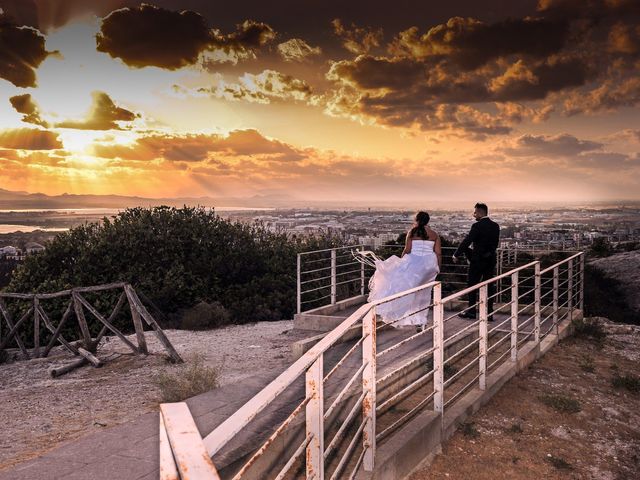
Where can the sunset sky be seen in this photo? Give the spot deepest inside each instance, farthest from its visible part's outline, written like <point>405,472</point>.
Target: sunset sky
<point>381,102</point>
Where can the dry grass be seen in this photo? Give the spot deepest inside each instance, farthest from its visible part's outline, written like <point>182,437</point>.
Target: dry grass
<point>191,379</point>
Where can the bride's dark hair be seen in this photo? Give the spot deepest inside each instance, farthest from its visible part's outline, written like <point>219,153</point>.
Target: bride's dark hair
<point>422,219</point>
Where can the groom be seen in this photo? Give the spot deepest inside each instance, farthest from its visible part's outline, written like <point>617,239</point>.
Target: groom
<point>484,235</point>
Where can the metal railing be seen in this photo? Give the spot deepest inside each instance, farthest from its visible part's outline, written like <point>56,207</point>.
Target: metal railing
<point>325,277</point>
<point>339,403</point>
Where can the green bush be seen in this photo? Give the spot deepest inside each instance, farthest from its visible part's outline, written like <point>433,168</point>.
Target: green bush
<point>176,258</point>
<point>604,297</point>
<point>203,316</point>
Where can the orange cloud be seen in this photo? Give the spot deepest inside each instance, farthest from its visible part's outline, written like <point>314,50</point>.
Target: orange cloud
<point>102,115</point>
<point>29,139</point>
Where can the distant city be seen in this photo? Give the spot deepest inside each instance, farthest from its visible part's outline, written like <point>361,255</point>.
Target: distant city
<point>26,232</point>
<point>553,229</point>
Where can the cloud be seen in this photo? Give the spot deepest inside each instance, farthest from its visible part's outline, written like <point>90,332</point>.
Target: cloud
<point>264,87</point>
<point>563,145</point>
<point>24,104</point>
<point>609,96</point>
<point>147,36</point>
<point>22,50</point>
<point>470,43</point>
<point>151,36</point>
<point>297,50</point>
<point>51,14</point>
<point>29,139</point>
<point>102,115</point>
<point>356,39</point>
<point>201,147</point>
<point>570,57</point>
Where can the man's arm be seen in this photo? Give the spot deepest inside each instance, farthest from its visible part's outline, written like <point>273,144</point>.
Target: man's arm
<point>468,240</point>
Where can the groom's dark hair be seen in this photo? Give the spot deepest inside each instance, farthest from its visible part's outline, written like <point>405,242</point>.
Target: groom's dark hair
<point>483,207</point>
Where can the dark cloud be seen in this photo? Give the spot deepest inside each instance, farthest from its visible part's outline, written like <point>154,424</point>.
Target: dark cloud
<point>563,145</point>
<point>22,51</point>
<point>103,115</point>
<point>29,139</point>
<point>250,35</point>
<point>470,43</point>
<point>150,36</point>
<point>356,39</point>
<point>24,104</point>
<point>49,14</point>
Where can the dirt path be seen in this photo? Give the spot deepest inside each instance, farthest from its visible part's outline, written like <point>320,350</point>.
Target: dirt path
<point>521,435</point>
<point>39,412</point>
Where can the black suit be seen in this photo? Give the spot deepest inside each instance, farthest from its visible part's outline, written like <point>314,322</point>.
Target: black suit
<point>485,236</point>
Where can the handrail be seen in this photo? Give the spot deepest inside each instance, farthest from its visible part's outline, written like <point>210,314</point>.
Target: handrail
<point>311,363</point>
<point>556,265</point>
<point>477,286</point>
<point>232,425</point>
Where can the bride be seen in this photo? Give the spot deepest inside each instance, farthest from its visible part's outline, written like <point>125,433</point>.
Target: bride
<point>419,264</point>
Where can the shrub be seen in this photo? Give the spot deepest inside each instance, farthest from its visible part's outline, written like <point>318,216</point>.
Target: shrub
<point>469,429</point>
<point>176,258</point>
<point>590,329</point>
<point>191,379</point>
<point>604,297</point>
<point>586,364</point>
<point>629,382</point>
<point>561,403</point>
<point>203,316</point>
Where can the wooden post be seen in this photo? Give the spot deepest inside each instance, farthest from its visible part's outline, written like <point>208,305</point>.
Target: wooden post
<point>14,331</point>
<point>7,317</point>
<point>133,298</point>
<point>56,332</point>
<point>82,321</point>
<point>36,328</point>
<point>81,301</point>
<point>137,324</point>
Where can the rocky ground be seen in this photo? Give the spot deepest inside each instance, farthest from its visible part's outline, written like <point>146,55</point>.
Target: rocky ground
<point>38,412</point>
<point>561,419</point>
<point>624,267</point>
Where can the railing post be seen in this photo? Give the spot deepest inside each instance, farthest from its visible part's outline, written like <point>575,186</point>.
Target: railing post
<point>556,294</point>
<point>315,420</point>
<point>482,334</point>
<point>299,287</point>
<point>369,389</point>
<point>499,287</point>
<point>333,276</point>
<point>438,350</point>
<point>514,316</point>
<point>569,291</point>
<point>36,328</point>
<point>537,302</point>
<point>582,283</point>
<point>362,275</point>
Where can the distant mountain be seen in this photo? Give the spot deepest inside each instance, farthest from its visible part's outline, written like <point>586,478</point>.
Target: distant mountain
<point>23,200</point>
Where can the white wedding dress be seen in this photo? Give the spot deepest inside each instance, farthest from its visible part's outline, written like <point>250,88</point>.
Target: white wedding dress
<point>395,275</point>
